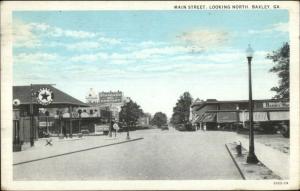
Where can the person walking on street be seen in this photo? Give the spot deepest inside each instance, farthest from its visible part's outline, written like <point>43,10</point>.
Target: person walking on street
<point>116,128</point>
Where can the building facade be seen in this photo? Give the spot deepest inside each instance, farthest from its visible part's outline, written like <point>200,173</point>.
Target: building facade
<point>111,101</point>
<point>39,109</point>
<point>268,114</point>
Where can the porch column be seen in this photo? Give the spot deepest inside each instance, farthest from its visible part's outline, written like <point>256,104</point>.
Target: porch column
<point>71,127</point>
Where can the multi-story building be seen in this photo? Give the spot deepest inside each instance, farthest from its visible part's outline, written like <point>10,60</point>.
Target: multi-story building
<point>112,101</point>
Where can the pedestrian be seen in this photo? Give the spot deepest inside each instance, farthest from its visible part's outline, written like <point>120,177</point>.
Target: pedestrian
<point>64,132</point>
<point>116,128</point>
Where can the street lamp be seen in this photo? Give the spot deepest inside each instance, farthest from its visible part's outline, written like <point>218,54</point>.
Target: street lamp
<point>127,100</point>
<point>251,158</point>
<point>110,123</point>
<point>47,115</point>
<point>79,125</point>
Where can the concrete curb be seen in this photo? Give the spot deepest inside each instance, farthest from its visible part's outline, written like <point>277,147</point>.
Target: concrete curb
<point>257,171</point>
<point>72,152</point>
<point>266,155</point>
<point>235,163</point>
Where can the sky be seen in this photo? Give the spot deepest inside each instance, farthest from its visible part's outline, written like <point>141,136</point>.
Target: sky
<point>152,56</point>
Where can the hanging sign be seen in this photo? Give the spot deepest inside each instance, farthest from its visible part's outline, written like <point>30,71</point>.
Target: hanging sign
<point>45,96</point>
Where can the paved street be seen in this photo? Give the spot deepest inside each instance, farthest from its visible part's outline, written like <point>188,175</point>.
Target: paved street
<point>161,155</point>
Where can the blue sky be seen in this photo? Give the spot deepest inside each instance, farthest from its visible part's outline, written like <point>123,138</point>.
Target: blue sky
<point>152,56</point>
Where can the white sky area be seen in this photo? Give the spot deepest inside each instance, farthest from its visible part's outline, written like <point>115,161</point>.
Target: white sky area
<point>152,56</point>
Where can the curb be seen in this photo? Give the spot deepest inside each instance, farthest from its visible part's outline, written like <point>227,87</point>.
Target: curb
<point>235,163</point>
<point>257,171</point>
<point>68,153</point>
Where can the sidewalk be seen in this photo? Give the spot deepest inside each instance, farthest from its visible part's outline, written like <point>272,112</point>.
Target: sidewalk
<point>64,146</point>
<point>275,160</point>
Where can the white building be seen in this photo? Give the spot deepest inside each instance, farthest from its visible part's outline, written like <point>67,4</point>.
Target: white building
<point>92,97</point>
<point>113,100</point>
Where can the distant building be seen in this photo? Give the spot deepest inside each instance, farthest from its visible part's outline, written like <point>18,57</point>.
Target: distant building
<point>112,101</point>
<point>144,120</point>
<point>92,97</point>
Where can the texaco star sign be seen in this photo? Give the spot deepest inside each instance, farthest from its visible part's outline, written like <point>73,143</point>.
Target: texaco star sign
<point>45,96</point>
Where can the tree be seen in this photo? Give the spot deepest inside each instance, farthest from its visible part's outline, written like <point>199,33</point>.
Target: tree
<point>181,111</point>
<point>130,112</point>
<point>281,59</point>
<point>159,119</point>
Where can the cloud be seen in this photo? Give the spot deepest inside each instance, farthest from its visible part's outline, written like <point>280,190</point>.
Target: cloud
<point>203,64</point>
<point>35,58</point>
<point>30,35</point>
<point>281,27</point>
<point>108,40</point>
<point>23,35</point>
<point>82,46</point>
<point>203,39</point>
<point>59,32</point>
<point>89,57</point>
<point>277,27</point>
<point>161,51</point>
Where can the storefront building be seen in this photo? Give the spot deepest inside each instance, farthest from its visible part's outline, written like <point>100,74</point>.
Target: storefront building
<point>214,114</point>
<point>40,110</point>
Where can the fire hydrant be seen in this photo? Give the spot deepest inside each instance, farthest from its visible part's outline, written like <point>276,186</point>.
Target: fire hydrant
<point>239,149</point>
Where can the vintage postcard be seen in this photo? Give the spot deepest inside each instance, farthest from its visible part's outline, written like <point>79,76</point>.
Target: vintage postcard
<point>149,95</point>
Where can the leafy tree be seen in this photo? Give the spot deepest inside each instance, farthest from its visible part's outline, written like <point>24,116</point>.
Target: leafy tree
<point>159,119</point>
<point>130,112</point>
<point>281,59</point>
<point>181,111</point>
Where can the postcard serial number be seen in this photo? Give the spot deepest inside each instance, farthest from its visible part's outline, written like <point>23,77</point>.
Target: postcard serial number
<point>281,182</point>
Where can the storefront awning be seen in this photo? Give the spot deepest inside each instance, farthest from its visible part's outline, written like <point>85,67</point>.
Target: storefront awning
<point>226,117</point>
<point>279,115</point>
<point>209,117</point>
<point>257,116</point>
<point>196,119</point>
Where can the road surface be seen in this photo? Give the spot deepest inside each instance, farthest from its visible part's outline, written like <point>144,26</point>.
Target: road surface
<point>161,155</point>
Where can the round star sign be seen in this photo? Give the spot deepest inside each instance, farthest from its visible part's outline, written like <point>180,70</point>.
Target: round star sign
<point>45,96</point>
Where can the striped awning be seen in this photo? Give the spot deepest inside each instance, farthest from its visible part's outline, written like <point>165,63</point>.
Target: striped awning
<point>196,119</point>
<point>209,117</point>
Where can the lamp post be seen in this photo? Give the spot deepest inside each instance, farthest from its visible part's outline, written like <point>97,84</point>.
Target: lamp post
<point>251,158</point>
<point>110,123</point>
<point>16,132</point>
<point>47,127</point>
<point>60,117</point>
<point>32,94</point>
<point>79,121</point>
<point>126,118</point>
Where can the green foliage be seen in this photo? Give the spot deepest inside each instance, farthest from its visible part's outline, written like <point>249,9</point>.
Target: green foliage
<point>281,59</point>
<point>130,112</point>
<point>159,119</point>
<point>181,111</point>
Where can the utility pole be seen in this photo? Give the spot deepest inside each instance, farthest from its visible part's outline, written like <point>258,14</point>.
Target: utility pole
<point>31,116</point>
